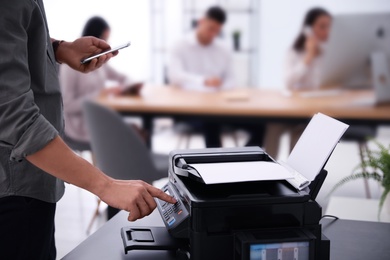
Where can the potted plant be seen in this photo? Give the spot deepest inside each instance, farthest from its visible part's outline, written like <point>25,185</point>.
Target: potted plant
<point>375,166</point>
<point>236,40</point>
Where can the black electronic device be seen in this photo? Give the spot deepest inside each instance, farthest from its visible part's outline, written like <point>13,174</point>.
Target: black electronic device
<point>250,220</point>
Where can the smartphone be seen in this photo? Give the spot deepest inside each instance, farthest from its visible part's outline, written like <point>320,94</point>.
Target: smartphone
<point>105,52</point>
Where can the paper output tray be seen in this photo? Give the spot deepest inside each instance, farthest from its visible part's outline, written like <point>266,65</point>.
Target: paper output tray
<point>182,163</point>
<point>148,238</point>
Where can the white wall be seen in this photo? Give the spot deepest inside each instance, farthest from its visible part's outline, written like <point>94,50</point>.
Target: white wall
<point>129,20</point>
<point>280,23</point>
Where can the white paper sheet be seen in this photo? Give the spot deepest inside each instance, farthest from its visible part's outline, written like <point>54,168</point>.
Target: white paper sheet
<point>315,145</point>
<point>216,173</point>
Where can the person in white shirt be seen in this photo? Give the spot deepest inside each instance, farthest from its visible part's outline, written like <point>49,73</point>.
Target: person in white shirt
<point>302,70</point>
<point>199,62</point>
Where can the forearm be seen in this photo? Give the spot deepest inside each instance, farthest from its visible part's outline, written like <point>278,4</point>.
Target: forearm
<point>309,59</point>
<point>135,197</point>
<point>180,77</point>
<point>58,160</point>
<point>296,74</point>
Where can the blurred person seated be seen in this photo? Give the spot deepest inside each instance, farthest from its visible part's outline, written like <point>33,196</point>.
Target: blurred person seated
<point>77,87</point>
<point>302,70</point>
<point>199,62</point>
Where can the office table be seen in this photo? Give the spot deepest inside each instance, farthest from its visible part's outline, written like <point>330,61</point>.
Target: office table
<point>349,240</point>
<point>249,105</point>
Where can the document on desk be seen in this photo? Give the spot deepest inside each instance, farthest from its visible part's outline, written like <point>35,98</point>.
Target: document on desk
<point>315,145</point>
<point>230,172</point>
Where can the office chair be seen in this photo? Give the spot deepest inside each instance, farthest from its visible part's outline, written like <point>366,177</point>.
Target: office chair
<point>119,150</point>
<point>361,134</point>
<point>78,147</point>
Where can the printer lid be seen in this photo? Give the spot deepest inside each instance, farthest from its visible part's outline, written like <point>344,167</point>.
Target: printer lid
<point>228,193</point>
<point>245,193</point>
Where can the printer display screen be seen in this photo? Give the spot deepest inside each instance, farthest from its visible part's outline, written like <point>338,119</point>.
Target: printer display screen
<point>285,251</point>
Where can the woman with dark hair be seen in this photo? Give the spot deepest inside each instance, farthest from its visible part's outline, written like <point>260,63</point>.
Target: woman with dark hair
<point>302,71</point>
<point>302,62</point>
<point>78,87</point>
<point>97,27</point>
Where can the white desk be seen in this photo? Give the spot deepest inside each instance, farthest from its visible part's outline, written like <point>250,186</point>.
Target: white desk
<point>357,209</point>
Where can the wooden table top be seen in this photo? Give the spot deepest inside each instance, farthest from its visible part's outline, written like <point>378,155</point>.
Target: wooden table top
<point>348,104</point>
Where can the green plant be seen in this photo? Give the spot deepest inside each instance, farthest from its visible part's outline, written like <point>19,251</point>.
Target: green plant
<point>375,166</point>
<point>236,33</point>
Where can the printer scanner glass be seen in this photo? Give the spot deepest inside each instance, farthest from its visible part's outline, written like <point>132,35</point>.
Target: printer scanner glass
<point>285,251</point>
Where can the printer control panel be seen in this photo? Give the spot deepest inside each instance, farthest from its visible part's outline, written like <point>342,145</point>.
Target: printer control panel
<point>172,214</point>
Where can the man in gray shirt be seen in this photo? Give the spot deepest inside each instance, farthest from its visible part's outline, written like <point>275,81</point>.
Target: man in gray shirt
<point>34,161</point>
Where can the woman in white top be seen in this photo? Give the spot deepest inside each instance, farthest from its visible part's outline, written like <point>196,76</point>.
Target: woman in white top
<point>302,69</point>
<point>77,87</point>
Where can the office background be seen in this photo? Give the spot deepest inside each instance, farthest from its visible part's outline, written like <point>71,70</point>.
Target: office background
<point>276,24</point>
<point>268,28</point>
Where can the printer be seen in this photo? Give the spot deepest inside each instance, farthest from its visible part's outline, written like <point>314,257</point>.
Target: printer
<point>256,220</point>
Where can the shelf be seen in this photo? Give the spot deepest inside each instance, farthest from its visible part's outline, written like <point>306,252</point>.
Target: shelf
<point>229,11</point>
<point>243,51</point>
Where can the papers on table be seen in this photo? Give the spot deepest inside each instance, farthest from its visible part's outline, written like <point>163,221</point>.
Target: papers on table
<point>229,172</point>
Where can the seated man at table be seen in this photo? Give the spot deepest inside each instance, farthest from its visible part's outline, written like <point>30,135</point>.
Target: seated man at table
<point>199,62</point>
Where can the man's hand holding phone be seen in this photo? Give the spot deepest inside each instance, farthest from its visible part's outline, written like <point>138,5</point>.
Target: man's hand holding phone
<point>72,53</point>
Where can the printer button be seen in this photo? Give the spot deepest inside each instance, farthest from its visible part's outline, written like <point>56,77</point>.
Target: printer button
<point>171,221</point>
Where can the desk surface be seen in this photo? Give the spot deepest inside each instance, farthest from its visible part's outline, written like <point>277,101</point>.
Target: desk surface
<point>349,240</point>
<point>344,104</point>
<point>351,208</point>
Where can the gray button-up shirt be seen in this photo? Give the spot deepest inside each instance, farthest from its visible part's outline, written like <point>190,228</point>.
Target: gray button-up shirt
<point>30,100</point>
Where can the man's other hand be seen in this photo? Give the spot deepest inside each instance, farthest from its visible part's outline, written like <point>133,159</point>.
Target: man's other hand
<point>72,53</point>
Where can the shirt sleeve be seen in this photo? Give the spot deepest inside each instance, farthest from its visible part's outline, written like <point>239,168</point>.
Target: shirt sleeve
<point>177,74</point>
<point>297,71</point>
<point>22,128</point>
